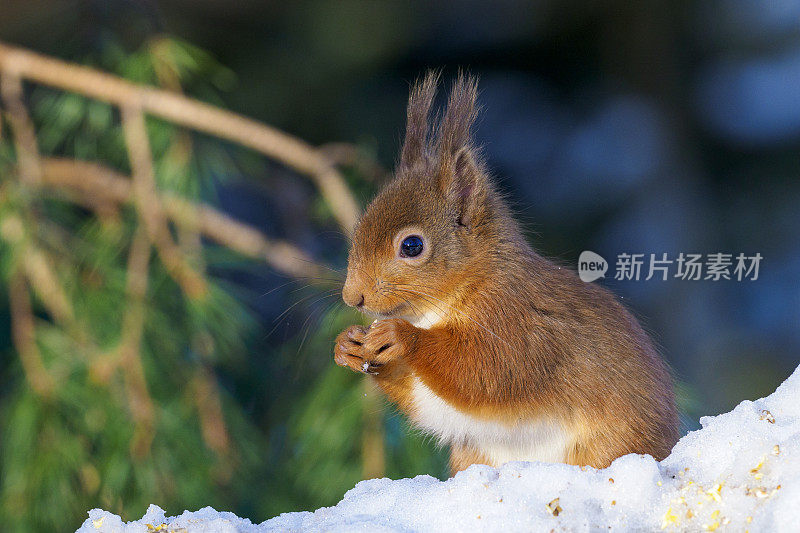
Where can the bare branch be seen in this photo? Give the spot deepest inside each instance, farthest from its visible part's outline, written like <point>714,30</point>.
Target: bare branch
<point>349,155</point>
<point>37,268</point>
<point>179,152</point>
<point>42,276</point>
<point>23,335</point>
<point>205,394</point>
<point>139,401</point>
<point>148,204</point>
<point>193,114</point>
<point>24,134</point>
<point>95,179</point>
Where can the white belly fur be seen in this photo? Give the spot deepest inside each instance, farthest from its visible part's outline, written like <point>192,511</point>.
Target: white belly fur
<point>529,440</point>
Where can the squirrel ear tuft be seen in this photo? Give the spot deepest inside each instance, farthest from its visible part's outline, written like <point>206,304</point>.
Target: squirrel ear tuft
<point>416,143</point>
<point>455,130</point>
<point>461,176</point>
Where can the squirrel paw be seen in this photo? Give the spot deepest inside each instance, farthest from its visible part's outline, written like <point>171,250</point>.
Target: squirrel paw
<point>349,351</point>
<point>366,350</point>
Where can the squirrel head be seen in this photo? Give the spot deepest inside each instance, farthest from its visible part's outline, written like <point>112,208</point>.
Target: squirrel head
<point>421,237</point>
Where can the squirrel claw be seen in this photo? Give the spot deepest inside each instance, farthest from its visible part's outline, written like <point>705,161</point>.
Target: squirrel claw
<point>371,367</point>
<point>353,362</point>
<point>367,350</point>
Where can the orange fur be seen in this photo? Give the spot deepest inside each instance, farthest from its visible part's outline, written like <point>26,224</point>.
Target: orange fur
<point>517,338</point>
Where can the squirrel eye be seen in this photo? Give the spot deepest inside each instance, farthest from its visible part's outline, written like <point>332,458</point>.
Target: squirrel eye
<point>411,246</point>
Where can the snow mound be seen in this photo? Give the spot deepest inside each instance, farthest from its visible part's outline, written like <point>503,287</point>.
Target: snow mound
<point>740,472</point>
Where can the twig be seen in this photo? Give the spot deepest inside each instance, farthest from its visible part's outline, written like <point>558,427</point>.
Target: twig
<point>23,335</point>
<point>92,178</point>
<point>192,114</point>
<point>189,238</point>
<point>349,155</point>
<point>36,267</point>
<point>139,401</point>
<point>205,394</point>
<point>179,152</point>
<point>148,204</point>
<point>44,280</point>
<point>23,133</point>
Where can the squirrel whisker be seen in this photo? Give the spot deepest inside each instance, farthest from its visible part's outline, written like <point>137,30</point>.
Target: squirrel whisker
<point>327,294</point>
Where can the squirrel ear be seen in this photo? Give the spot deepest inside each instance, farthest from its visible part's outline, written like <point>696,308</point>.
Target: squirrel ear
<point>462,179</point>
<point>464,186</point>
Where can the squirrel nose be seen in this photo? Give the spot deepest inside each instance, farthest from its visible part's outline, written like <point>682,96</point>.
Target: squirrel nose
<point>352,297</point>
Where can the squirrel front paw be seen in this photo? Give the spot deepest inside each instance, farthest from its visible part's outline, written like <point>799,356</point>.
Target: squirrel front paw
<point>366,350</point>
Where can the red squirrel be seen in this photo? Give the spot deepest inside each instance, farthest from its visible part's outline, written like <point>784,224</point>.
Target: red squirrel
<point>485,344</point>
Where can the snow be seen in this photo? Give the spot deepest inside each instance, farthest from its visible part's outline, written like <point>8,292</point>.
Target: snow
<point>740,472</point>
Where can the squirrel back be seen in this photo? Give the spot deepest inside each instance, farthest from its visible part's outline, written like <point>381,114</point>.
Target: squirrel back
<point>496,350</point>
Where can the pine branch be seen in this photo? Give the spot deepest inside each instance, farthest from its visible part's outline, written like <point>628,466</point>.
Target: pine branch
<point>95,180</point>
<point>193,114</point>
<point>106,192</point>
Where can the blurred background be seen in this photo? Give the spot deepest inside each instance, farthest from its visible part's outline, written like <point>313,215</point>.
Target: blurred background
<point>618,127</point>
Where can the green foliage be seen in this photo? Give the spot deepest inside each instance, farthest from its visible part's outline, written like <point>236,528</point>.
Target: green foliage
<point>85,446</point>
<point>70,452</point>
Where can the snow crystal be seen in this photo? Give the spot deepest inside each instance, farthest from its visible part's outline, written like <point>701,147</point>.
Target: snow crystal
<point>741,471</point>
